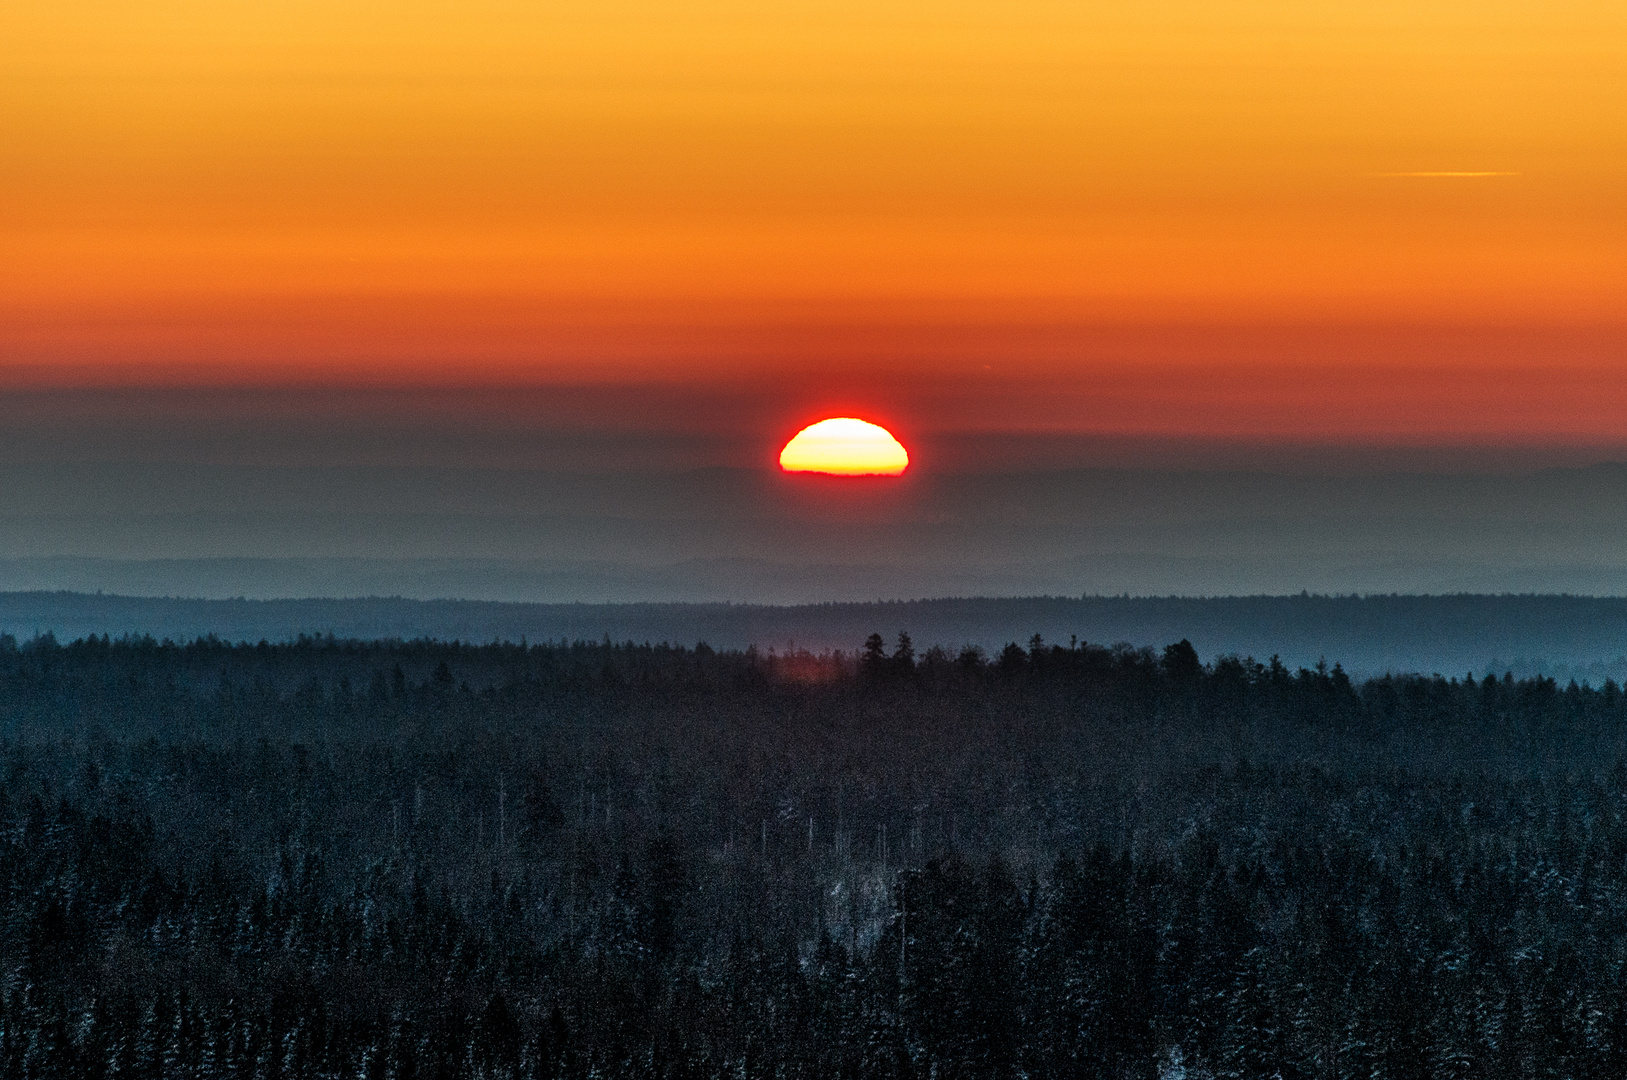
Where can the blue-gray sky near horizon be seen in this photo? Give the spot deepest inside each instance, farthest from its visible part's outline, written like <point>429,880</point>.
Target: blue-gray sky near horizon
<point>618,495</point>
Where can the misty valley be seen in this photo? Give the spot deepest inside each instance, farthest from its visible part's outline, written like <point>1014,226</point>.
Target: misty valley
<point>331,858</point>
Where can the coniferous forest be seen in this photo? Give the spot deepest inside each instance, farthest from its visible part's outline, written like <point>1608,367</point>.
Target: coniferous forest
<point>421,860</point>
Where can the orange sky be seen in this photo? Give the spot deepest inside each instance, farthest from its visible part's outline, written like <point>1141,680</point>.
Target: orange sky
<point>343,191</point>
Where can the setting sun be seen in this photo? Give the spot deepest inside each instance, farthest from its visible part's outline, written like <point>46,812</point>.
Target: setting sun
<point>843,446</point>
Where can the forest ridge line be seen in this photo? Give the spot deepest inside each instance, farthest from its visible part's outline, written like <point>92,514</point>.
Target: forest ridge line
<point>1563,636</point>
<point>346,674</point>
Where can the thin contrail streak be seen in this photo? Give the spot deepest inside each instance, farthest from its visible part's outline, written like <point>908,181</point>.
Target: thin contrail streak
<point>1445,173</point>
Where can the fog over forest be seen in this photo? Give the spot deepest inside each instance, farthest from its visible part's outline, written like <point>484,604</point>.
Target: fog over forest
<point>1584,638</point>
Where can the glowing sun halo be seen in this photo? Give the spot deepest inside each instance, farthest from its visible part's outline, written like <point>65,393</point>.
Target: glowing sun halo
<point>844,446</point>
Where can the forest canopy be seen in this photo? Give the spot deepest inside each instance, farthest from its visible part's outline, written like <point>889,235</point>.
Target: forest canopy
<point>428,859</point>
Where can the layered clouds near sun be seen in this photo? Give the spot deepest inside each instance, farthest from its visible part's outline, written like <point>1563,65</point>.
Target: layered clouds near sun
<point>485,191</point>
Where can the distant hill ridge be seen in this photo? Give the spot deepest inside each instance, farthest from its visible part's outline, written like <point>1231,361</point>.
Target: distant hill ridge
<point>1565,636</point>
